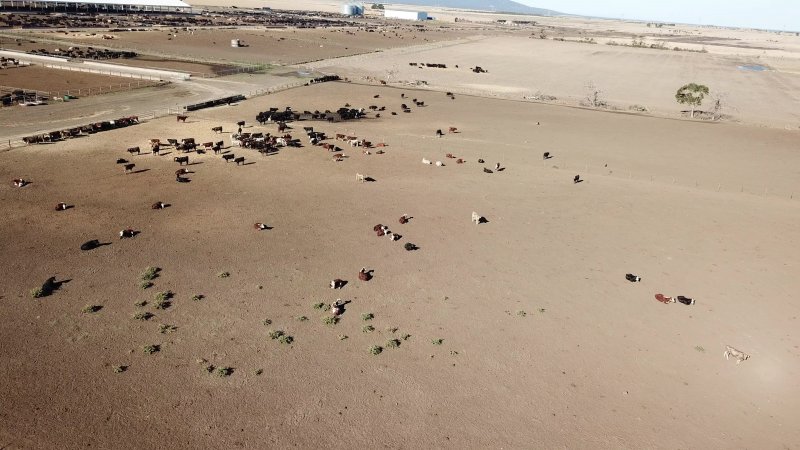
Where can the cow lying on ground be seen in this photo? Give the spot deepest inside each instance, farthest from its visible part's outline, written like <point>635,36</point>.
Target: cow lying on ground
<point>182,171</point>
<point>337,283</point>
<point>61,206</point>
<point>577,179</point>
<point>404,219</point>
<point>439,133</point>
<point>360,177</point>
<point>158,205</point>
<point>90,245</point>
<point>127,233</point>
<point>453,130</point>
<point>121,161</point>
<point>476,218</point>
<point>426,161</point>
<point>364,275</point>
<point>19,182</point>
<point>181,160</point>
<point>546,155</point>
<point>259,226</point>
<point>485,170</point>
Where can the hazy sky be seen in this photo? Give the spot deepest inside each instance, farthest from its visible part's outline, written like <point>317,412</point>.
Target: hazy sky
<point>770,14</point>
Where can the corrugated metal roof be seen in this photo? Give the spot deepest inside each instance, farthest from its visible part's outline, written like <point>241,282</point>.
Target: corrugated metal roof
<point>164,3</point>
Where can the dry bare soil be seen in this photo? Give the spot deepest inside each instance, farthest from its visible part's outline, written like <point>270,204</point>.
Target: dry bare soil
<point>543,341</point>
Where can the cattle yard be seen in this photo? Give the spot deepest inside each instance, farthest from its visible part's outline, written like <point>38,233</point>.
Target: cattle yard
<point>388,258</point>
<point>50,83</point>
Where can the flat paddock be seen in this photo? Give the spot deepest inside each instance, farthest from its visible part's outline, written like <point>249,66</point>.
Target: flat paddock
<point>56,80</point>
<point>537,322</point>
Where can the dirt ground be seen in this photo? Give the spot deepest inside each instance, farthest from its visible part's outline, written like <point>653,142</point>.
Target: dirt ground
<point>54,80</point>
<point>265,45</point>
<point>543,341</point>
<point>521,332</point>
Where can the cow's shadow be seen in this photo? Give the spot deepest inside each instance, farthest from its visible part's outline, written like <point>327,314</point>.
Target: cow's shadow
<point>370,179</point>
<point>165,153</point>
<point>140,171</point>
<point>483,220</point>
<point>52,285</point>
<point>183,180</point>
<point>194,163</point>
<point>248,163</point>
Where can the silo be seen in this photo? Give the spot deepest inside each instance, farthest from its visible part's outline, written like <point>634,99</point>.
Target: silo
<point>350,10</point>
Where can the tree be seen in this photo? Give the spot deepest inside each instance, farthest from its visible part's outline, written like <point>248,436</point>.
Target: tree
<point>691,94</point>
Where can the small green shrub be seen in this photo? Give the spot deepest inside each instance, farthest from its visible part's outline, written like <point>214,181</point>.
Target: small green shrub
<point>393,343</point>
<point>162,304</point>
<point>376,349</point>
<point>320,306</point>
<point>392,329</point>
<point>140,303</point>
<point>145,285</point>
<point>150,349</point>
<point>89,309</point>
<point>522,313</point>
<point>224,274</point>
<point>163,296</point>
<point>700,349</point>
<point>224,371</point>
<point>259,371</point>
<point>342,337</point>
<point>276,334</point>
<point>143,316</point>
<point>119,369</point>
<point>164,328</point>
<point>437,341</point>
<point>367,316</point>
<point>198,297</point>
<point>368,329</point>
<point>302,318</point>
<point>330,320</point>
<point>150,273</point>
<point>541,310</point>
<point>37,292</point>
<point>406,337</point>
<point>210,368</point>
<point>286,339</point>
<point>267,322</point>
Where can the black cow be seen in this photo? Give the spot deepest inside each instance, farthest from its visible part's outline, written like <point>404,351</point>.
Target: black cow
<point>133,150</point>
<point>228,157</point>
<point>129,167</point>
<point>239,160</point>
<point>181,160</point>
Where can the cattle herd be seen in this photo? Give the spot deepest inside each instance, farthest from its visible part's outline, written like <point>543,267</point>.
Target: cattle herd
<point>88,53</point>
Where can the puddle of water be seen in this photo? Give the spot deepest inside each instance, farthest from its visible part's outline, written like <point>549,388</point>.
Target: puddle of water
<point>752,68</point>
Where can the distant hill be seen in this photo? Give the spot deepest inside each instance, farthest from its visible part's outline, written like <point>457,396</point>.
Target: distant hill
<point>481,5</point>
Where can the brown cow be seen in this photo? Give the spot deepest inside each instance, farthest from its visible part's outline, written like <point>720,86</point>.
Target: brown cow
<point>364,275</point>
<point>182,118</point>
<point>129,167</point>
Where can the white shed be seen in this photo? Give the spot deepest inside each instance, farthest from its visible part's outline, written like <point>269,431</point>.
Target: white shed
<point>405,15</point>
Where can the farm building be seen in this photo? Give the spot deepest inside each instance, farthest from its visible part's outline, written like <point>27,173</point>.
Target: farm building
<point>351,9</point>
<point>96,6</point>
<point>405,15</point>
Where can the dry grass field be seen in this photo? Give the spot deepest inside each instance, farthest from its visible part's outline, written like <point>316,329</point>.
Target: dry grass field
<point>520,332</point>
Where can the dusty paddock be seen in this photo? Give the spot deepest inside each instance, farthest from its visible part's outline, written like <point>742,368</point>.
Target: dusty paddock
<point>265,45</point>
<point>595,362</point>
<point>55,80</point>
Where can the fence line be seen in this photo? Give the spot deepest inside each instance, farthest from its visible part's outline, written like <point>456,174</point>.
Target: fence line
<point>158,113</point>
